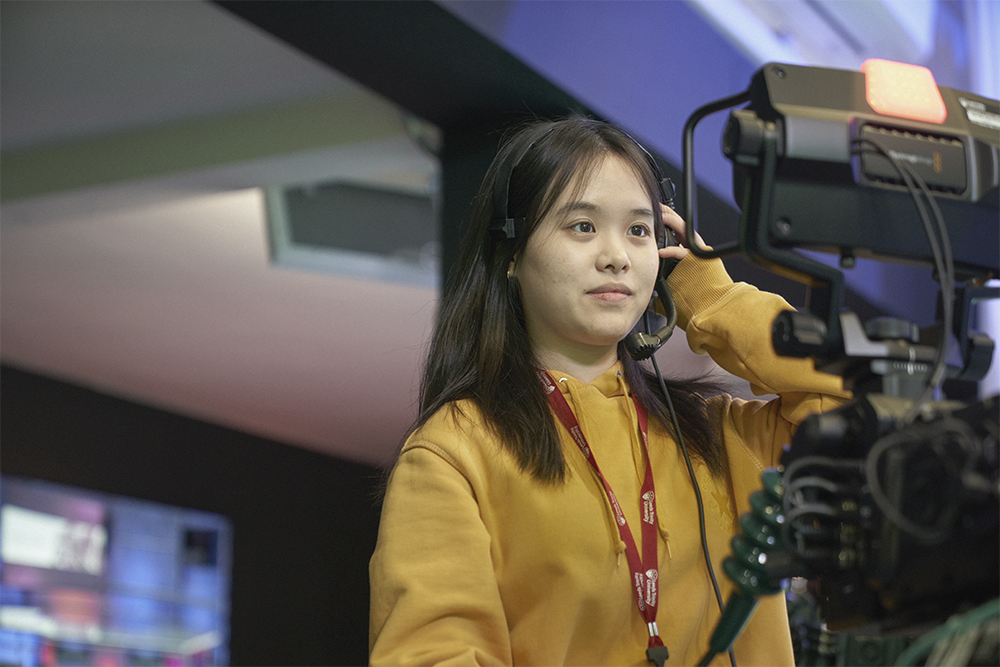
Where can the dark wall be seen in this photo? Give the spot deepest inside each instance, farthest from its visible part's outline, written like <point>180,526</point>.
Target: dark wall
<point>304,524</point>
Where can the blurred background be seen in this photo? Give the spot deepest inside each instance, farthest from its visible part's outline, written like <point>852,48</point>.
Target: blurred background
<point>223,230</point>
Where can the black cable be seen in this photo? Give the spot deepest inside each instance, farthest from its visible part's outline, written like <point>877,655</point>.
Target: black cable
<point>816,509</point>
<point>694,482</point>
<point>789,504</point>
<point>948,430</point>
<point>943,263</point>
<point>825,484</point>
<point>947,299</point>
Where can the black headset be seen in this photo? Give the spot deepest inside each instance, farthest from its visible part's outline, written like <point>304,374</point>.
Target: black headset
<point>638,345</point>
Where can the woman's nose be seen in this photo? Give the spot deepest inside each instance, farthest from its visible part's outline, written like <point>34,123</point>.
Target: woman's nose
<point>613,256</point>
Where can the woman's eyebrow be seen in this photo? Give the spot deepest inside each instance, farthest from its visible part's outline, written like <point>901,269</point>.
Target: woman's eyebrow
<point>575,206</point>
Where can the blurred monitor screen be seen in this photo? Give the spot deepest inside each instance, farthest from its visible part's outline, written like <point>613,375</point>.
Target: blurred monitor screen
<point>95,579</point>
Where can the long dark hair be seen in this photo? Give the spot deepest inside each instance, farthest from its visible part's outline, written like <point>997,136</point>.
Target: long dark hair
<point>480,349</point>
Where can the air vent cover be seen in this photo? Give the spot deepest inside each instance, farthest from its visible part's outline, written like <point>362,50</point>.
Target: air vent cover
<point>356,230</point>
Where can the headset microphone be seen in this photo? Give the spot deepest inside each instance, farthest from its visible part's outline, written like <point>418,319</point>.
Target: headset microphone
<point>642,345</point>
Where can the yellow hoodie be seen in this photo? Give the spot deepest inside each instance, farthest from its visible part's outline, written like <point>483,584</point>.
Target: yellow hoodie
<point>479,563</point>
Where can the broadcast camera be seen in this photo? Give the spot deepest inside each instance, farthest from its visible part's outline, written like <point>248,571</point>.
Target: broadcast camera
<point>890,504</point>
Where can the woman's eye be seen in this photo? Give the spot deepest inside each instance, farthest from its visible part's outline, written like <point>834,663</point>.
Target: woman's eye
<point>639,230</point>
<point>583,227</point>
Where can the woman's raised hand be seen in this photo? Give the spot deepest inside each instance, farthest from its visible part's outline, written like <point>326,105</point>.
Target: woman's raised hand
<point>675,225</point>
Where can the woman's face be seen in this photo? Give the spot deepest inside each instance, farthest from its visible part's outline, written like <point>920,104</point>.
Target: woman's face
<point>586,273</point>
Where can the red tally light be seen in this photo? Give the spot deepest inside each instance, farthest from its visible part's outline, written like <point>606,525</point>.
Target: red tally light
<point>904,91</point>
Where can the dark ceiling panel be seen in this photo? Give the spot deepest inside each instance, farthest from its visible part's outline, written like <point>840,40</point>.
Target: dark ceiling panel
<point>415,53</point>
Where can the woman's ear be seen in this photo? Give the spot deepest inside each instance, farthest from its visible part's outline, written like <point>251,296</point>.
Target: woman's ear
<point>510,268</point>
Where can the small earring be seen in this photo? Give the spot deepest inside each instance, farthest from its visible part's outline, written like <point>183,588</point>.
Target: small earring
<point>510,270</point>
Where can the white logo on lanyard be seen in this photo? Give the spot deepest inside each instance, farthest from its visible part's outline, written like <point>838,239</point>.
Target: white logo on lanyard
<point>648,507</point>
<point>651,576</point>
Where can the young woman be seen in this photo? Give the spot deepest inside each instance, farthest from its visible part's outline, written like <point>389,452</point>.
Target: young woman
<point>541,512</point>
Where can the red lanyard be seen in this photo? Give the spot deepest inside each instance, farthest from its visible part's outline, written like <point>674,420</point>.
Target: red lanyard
<point>645,571</point>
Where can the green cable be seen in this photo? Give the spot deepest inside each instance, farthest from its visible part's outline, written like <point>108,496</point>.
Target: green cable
<point>954,626</point>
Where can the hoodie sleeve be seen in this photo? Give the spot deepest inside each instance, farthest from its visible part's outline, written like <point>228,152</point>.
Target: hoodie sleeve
<point>434,597</point>
<point>731,322</point>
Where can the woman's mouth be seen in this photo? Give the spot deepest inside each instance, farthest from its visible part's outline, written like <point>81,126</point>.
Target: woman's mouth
<point>611,293</point>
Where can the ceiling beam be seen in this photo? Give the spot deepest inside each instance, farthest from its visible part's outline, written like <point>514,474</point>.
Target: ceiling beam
<point>199,144</point>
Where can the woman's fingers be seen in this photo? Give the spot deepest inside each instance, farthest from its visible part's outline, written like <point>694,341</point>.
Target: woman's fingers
<point>675,224</point>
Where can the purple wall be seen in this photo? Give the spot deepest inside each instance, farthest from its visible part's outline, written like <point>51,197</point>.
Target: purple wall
<point>648,65</point>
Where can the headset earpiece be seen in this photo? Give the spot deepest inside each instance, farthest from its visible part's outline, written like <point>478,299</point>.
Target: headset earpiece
<point>504,225</point>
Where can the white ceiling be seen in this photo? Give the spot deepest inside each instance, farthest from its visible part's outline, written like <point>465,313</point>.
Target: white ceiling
<point>133,247</point>
<point>159,289</point>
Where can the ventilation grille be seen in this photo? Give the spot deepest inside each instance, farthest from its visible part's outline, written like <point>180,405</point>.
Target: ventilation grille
<point>939,160</point>
<point>355,230</point>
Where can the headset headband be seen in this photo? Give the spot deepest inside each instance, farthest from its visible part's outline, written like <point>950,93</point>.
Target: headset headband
<point>507,227</point>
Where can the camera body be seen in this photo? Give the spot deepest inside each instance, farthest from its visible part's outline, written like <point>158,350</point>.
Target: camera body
<point>889,505</point>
